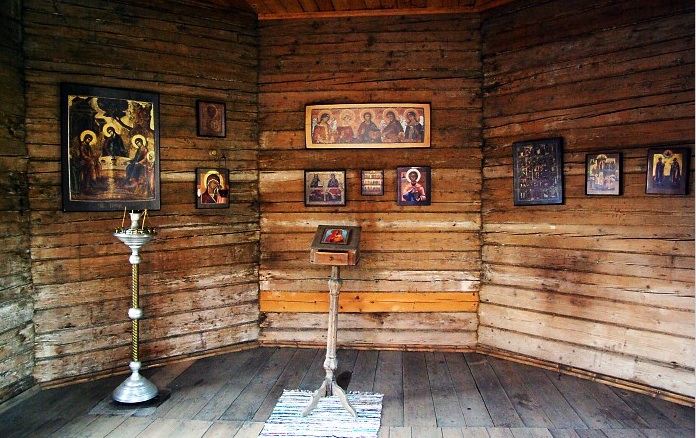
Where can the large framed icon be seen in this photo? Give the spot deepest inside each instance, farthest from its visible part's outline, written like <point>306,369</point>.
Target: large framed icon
<point>109,149</point>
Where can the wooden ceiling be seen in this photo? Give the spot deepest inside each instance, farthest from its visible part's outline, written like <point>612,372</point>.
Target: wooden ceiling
<point>294,9</point>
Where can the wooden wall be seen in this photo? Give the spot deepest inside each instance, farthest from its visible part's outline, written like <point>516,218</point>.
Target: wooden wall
<point>16,304</point>
<point>199,276</point>
<point>604,284</point>
<point>416,285</point>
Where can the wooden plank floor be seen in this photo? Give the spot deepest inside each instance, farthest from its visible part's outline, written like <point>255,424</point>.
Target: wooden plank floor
<point>443,395</point>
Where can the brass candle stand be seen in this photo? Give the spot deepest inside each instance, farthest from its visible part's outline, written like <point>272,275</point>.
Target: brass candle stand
<point>136,388</point>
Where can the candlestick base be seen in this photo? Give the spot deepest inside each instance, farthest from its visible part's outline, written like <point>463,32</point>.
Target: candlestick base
<point>135,389</point>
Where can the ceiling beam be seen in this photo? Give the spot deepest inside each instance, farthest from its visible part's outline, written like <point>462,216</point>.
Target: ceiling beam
<point>481,5</point>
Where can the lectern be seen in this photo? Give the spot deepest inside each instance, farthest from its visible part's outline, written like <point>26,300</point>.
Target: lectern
<point>334,245</point>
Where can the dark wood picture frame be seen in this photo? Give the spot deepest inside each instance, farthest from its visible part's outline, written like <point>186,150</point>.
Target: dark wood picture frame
<point>325,187</point>
<point>413,185</point>
<point>212,188</point>
<point>350,238</point>
<point>668,171</point>
<point>603,174</point>
<point>384,125</point>
<point>110,154</point>
<point>343,251</point>
<point>211,118</point>
<point>538,171</point>
<point>372,182</point>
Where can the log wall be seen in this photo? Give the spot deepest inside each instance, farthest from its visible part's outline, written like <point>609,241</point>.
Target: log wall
<point>604,284</point>
<point>601,284</point>
<point>417,283</point>
<point>16,304</point>
<point>199,276</point>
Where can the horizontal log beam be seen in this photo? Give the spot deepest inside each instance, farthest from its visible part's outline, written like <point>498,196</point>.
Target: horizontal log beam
<point>369,302</point>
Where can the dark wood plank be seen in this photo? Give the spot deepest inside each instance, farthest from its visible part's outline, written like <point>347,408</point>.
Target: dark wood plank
<point>667,433</point>
<point>683,416</point>
<point>194,389</point>
<point>623,433</point>
<point>289,379</point>
<point>315,373</point>
<point>203,378</point>
<point>523,397</point>
<point>57,407</point>
<point>590,433</point>
<point>445,387</point>
<point>497,402</point>
<point>472,404</point>
<point>556,407</point>
<point>648,412</point>
<point>586,405</point>
<point>238,380</point>
<point>389,381</point>
<point>418,399</point>
<point>245,406</point>
<point>610,402</point>
<point>448,412</point>
<point>564,433</point>
<point>364,372</point>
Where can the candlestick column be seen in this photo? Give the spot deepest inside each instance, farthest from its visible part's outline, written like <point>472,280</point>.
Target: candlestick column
<point>136,388</point>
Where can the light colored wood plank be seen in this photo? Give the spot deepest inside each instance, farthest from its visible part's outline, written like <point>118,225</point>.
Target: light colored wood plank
<point>667,294</point>
<point>500,432</point>
<point>249,429</point>
<point>680,381</point>
<point>600,335</point>
<point>399,432</point>
<point>222,429</point>
<point>464,322</point>
<point>475,432</point>
<point>351,301</point>
<point>161,428</point>
<point>102,426</point>
<point>411,339</point>
<point>452,432</point>
<point>192,429</point>
<point>426,432</point>
<point>677,322</point>
<point>75,426</point>
<point>131,427</point>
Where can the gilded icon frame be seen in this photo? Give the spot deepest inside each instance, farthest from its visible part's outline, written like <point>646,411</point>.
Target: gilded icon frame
<point>380,125</point>
<point>110,148</point>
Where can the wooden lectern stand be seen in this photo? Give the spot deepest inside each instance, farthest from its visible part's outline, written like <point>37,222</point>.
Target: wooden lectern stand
<point>334,245</point>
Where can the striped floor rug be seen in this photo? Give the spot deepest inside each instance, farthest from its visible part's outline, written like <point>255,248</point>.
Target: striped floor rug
<point>328,420</point>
